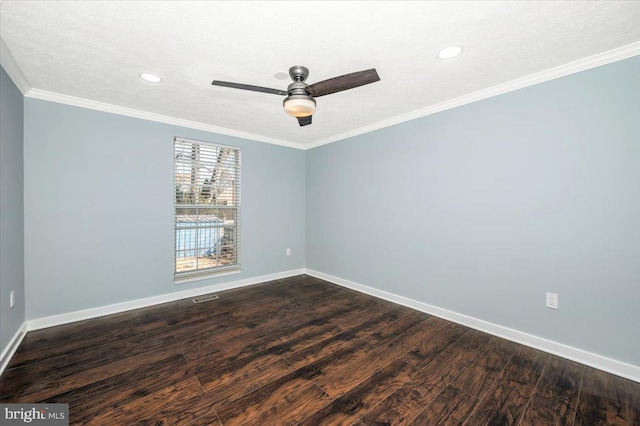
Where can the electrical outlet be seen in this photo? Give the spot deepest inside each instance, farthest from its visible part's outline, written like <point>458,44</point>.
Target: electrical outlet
<point>552,300</point>
<point>288,252</point>
<point>12,299</point>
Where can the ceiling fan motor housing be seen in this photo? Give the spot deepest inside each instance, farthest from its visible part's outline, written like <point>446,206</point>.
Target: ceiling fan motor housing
<point>299,103</point>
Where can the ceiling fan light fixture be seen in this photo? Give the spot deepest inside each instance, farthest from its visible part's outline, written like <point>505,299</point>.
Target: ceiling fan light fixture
<point>299,105</point>
<point>450,52</point>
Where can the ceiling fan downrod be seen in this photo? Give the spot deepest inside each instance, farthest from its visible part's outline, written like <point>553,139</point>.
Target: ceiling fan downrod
<point>298,73</point>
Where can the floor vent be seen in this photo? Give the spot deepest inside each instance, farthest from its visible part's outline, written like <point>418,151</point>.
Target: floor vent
<point>205,299</point>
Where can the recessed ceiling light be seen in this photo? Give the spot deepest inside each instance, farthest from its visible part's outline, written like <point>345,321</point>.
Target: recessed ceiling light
<point>150,77</point>
<point>450,52</point>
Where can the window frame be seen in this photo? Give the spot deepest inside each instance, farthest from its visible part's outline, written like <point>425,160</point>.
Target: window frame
<point>234,189</point>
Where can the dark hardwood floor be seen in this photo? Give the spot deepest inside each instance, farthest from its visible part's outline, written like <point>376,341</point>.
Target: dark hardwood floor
<point>303,351</point>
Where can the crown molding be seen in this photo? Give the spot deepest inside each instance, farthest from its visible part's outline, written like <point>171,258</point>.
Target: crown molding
<point>144,115</point>
<point>583,64</point>
<point>10,65</point>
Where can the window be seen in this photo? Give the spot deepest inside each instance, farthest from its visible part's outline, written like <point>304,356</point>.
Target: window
<point>207,208</point>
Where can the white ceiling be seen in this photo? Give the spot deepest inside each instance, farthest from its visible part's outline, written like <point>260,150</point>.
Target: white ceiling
<point>95,50</point>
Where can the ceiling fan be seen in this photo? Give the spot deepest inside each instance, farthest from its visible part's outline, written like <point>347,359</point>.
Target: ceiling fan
<point>299,101</point>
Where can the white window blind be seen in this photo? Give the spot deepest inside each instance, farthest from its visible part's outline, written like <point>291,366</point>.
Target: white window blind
<point>207,208</point>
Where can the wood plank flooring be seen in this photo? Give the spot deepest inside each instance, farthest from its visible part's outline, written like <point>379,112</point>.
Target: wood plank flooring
<point>301,351</point>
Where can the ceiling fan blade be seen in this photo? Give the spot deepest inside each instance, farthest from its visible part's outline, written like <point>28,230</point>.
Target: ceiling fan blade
<point>343,82</point>
<point>249,87</point>
<point>304,121</point>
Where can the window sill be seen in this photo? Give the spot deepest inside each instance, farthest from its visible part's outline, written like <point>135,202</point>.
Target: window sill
<point>192,278</point>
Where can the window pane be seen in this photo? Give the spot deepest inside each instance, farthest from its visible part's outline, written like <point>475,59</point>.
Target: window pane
<point>207,195</point>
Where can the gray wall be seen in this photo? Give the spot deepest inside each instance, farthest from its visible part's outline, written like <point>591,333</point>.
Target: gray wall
<point>98,193</point>
<point>11,213</point>
<point>480,209</point>
<point>483,208</point>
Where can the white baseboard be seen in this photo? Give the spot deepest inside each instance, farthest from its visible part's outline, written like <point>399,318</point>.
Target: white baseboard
<point>619,368</point>
<point>70,317</point>
<point>11,348</point>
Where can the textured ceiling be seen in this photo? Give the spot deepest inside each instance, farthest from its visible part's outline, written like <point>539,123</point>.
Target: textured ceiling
<point>95,51</point>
